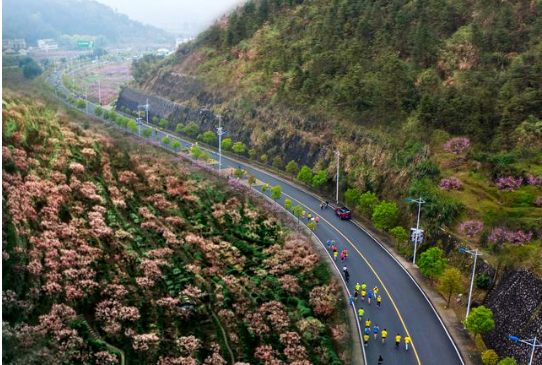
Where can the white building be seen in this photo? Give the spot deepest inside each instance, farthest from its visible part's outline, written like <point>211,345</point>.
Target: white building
<point>182,40</point>
<point>14,44</point>
<point>47,44</point>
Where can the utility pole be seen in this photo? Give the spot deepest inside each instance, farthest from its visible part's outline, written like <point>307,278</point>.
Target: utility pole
<point>338,153</point>
<point>474,253</point>
<point>417,232</point>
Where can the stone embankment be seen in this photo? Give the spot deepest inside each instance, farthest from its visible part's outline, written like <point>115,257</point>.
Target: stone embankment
<point>517,309</point>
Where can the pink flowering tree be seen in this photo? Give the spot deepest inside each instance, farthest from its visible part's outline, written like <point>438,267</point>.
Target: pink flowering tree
<point>534,180</point>
<point>323,300</point>
<point>471,228</point>
<point>457,145</point>
<point>451,183</point>
<point>508,183</point>
<point>502,234</point>
<point>145,342</point>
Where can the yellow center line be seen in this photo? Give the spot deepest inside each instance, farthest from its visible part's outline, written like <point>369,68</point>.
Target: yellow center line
<point>372,269</point>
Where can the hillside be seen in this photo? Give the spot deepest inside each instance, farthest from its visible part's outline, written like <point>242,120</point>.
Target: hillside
<point>431,98</point>
<point>37,19</point>
<point>113,249</point>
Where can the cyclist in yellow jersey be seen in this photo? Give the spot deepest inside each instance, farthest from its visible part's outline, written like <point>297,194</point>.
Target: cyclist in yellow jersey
<point>407,341</point>
<point>335,254</point>
<point>358,287</point>
<point>375,291</point>
<point>366,339</point>
<point>363,294</point>
<point>378,301</point>
<point>363,286</point>
<point>368,323</point>
<point>397,341</point>
<point>384,334</point>
<point>361,312</point>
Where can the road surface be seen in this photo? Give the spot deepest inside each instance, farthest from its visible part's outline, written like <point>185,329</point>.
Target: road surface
<point>405,310</point>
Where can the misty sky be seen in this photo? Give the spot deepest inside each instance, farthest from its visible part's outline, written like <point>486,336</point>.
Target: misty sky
<point>181,16</point>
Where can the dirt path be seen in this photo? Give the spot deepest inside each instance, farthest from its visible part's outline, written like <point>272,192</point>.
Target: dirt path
<point>224,334</point>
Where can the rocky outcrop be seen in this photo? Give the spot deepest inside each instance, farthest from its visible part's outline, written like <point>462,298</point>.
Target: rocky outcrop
<point>294,147</point>
<point>517,309</point>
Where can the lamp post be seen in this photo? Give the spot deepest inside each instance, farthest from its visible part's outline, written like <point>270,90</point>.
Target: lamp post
<point>146,108</point>
<point>474,253</point>
<point>533,342</point>
<point>420,202</point>
<point>338,153</point>
<point>99,93</point>
<point>220,131</point>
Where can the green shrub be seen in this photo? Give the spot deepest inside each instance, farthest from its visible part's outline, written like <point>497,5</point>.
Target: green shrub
<point>191,129</point>
<point>305,175</point>
<point>427,169</point>
<point>432,262</point>
<point>164,123</point>
<point>226,144</point>
<point>319,179</point>
<point>490,357</point>
<point>352,197</point>
<point>400,234</point>
<point>482,281</point>
<point>385,215</point>
<point>209,137</point>
<point>367,202</point>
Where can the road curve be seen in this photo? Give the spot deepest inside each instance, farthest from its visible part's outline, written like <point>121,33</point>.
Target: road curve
<point>405,309</point>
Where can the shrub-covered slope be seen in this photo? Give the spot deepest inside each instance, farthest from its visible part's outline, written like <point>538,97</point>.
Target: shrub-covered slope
<point>111,250</point>
<point>390,84</point>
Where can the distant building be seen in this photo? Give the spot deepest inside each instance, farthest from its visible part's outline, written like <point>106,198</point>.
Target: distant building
<point>182,40</point>
<point>9,51</point>
<point>164,52</point>
<point>47,44</point>
<point>14,44</point>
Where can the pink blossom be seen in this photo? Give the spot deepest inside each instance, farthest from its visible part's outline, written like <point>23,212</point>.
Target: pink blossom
<point>323,300</point>
<point>76,168</point>
<point>501,234</point>
<point>538,201</point>
<point>508,183</point>
<point>177,361</point>
<point>145,341</point>
<point>127,177</point>
<point>290,283</point>
<point>534,180</point>
<point>168,302</point>
<point>88,152</point>
<point>192,292</point>
<point>452,183</point>
<point>105,358</point>
<point>188,345</point>
<point>471,228</point>
<point>457,145</point>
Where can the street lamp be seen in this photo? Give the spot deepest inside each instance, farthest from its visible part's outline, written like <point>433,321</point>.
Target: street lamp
<point>474,253</point>
<point>220,133</point>
<point>417,233</point>
<point>338,154</point>
<point>146,108</point>
<point>533,342</point>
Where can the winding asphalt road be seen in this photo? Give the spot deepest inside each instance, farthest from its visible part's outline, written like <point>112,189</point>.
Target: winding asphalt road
<point>405,310</point>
